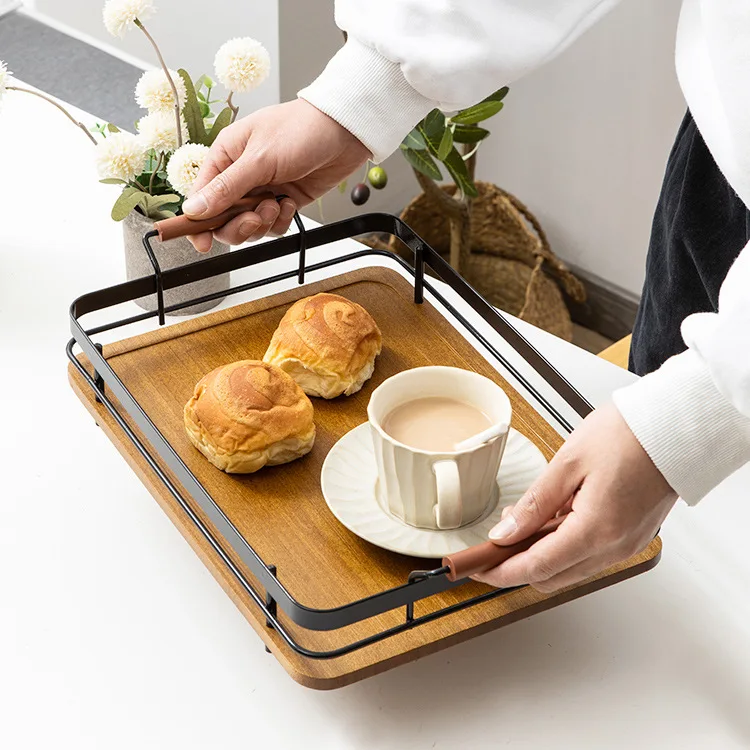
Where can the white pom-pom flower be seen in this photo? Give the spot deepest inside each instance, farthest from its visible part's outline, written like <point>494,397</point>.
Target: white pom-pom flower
<point>184,165</point>
<point>5,75</point>
<point>154,93</point>
<point>120,156</point>
<point>242,64</point>
<point>158,131</point>
<point>120,15</point>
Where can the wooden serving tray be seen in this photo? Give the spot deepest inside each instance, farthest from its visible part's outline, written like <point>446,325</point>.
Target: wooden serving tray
<point>281,511</point>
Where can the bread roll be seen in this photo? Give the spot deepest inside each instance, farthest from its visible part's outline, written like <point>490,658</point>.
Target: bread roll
<point>247,414</point>
<point>327,343</point>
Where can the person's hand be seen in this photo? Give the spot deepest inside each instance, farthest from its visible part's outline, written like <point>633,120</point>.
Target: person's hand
<point>613,497</point>
<point>291,149</point>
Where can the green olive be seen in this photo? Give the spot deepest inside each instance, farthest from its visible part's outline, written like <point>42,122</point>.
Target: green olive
<point>377,177</point>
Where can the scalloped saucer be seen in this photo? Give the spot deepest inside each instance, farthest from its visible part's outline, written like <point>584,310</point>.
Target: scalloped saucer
<point>348,479</point>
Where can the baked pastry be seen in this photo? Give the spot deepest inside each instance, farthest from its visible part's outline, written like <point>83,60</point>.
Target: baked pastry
<point>247,414</point>
<point>327,343</point>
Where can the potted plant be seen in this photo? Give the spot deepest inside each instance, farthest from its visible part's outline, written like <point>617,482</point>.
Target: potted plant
<point>155,167</point>
<point>487,234</point>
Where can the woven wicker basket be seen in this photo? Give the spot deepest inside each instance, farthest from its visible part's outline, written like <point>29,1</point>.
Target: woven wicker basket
<point>511,263</point>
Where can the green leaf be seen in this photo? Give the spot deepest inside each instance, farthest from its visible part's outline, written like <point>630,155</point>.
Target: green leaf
<point>414,140</point>
<point>205,109</point>
<point>432,129</point>
<point>192,111</point>
<point>159,215</point>
<point>499,95</point>
<point>206,81</point>
<point>129,199</point>
<point>143,179</point>
<point>484,110</point>
<point>469,134</point>
<point>460,173</point>
<point>477,113</point>
<point>423,162</point>
<point>222,120</point>
<point>446,144</point>
<point>157,201</point>
<point>113,181</point>
<point>342,187</point>
<point>112,128</point>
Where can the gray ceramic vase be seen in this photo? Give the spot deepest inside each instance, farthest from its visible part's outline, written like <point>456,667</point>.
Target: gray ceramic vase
<point>169,254</point>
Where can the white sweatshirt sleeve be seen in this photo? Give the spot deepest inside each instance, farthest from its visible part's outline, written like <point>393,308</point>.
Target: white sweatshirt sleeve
<point>406,57</point>
<point>692,416</point>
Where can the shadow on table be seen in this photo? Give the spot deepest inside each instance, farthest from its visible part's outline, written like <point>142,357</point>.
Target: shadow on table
<point>572,666</point>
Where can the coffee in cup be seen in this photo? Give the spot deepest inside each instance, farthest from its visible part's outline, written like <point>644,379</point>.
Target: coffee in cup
<point>417,418</point>
<point>435,423</point>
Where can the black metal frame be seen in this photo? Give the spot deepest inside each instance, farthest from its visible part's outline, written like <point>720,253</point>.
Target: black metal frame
<point>420,584</point>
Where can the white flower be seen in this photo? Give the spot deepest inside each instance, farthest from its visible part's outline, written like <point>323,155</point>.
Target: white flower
<point>5,75</point>
<point>242,64</point>
<point>158,131</point>
<point>153,92</point>
<point>184,165</point>
<point>120,15</point>
<point>120,156</point>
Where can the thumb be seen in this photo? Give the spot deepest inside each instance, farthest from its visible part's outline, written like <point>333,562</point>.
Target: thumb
<point>549,493</point>
<point>222,190</point>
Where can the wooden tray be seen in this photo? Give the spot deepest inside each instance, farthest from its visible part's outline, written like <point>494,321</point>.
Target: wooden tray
<point>281,510</point>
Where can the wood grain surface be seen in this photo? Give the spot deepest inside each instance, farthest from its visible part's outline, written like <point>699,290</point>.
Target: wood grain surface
<point>281,511</point>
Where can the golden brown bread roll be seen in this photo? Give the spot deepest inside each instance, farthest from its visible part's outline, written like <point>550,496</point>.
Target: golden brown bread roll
<point>247,414</point>
<point>327,343</point>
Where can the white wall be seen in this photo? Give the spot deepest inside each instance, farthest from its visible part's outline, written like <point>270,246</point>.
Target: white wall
<point>188,32</point>
<point>584,141</point>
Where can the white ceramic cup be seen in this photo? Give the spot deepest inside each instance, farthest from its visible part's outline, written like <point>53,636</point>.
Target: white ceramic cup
<point>437,490</point>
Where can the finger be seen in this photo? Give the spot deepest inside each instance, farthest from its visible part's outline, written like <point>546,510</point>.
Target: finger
<point>546,496</point>
<point>217,160</point>
<point>286,214</point>
<point>574,574</point>
<point>251,225</point>
<point>202,242</point>
<point>239,229</point>
<point>223,191</point>
<point>568,545</point>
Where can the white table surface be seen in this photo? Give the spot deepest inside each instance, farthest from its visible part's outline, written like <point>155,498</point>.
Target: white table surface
<point>114,635</point>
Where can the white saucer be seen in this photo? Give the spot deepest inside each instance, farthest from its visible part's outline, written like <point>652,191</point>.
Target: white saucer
<point>348,481</point>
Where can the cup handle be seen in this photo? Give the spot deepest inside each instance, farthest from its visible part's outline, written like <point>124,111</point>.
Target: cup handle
<point>449,509</point>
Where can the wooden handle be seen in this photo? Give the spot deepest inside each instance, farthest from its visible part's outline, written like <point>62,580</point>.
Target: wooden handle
<point>483,557</point>
<point>180,226</point>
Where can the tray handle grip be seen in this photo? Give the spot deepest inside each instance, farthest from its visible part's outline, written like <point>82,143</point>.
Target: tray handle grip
<point>483,557</point>
<point>180,226</point>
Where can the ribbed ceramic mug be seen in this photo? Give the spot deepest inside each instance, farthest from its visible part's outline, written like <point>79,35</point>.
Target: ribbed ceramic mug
<point>437,490</point>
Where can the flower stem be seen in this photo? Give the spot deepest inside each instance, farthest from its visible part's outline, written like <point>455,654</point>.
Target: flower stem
<point>153,174</point>
<point>169,78</point>
<point>235,109</point>
<point>136,184</point>
<point>59,106</point>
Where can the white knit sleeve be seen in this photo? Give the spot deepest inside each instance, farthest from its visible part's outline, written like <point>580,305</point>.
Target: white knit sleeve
<point>405,57</point>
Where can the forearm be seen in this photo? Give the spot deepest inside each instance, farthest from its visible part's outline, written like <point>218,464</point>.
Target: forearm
<point>405,57</point>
